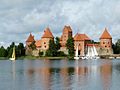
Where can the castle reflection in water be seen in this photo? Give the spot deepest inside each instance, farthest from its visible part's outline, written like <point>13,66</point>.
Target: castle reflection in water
<point>70,76</point>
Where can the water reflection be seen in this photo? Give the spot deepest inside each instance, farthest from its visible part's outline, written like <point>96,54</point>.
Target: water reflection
<point>54,74</point>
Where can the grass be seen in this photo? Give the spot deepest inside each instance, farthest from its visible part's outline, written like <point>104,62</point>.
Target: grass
<point>40,58</point>
<point>4,58</point>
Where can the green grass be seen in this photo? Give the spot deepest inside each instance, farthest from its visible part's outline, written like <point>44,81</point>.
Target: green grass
<point>4,58</point>
<point>40,58</point>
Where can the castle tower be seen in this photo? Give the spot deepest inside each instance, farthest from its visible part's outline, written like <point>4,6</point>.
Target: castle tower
<point>29,40</point>
<point>67,32</point>
<point>47,36</point>
<point>106,39</point>
<point>106,42</point>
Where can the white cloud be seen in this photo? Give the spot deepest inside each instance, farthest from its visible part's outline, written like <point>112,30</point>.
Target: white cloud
<point>20,17</point>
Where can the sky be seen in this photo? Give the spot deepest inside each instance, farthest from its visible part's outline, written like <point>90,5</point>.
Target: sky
<point>18,18</point>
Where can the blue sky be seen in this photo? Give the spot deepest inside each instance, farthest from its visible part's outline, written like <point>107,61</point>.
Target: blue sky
<point>20,17</point>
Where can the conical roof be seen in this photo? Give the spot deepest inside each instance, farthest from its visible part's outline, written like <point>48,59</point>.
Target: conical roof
<point>47,33</point>
<point>30,38</point>
<point>105,35</point>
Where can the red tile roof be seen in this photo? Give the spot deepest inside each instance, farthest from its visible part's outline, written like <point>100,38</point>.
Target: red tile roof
<point>30,38</point>
<point>81,37</point>
<point>38,43</point>
<point>105,35</point>
<point>67,29</point>
<point>47,33</point>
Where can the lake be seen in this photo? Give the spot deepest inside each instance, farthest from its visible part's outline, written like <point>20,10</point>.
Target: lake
<point>60,75</point>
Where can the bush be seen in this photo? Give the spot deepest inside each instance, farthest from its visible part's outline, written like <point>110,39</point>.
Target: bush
<point>60,53</point>
<point>40,53</point>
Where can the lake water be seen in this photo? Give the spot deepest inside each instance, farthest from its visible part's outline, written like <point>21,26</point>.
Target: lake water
<point>60,75</point>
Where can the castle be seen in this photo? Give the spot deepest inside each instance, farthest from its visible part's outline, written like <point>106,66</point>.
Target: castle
<point>80,40</point>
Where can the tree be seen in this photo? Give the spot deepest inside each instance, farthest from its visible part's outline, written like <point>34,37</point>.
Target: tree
<point>70,46</point>
<point>116,47</point>
<point>57,43</point>
<point>52,51</point>
<point>21,49</point>
<point>3,52</point>
<point>32,46</point>
<point>10,49</point>
<point>40,53</point>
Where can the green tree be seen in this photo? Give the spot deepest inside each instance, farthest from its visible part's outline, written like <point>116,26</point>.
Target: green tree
<point>116,47</point>
<point>40,53</point>
<point>32,46</point>
<point>10,49</point>
<point>57,43</point>
<point>70,46</point>
<point>52,51</point>
<point>3,52</point>
<point>21,49</point>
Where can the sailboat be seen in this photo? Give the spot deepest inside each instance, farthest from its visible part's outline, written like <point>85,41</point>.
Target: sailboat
<point>13,55</point>
<point>76,54</point>
<point>92,53</point>
<point>96,54</point>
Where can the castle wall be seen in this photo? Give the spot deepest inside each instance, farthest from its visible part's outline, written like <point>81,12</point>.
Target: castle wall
<point>45,43</point>
<point>81,47</point>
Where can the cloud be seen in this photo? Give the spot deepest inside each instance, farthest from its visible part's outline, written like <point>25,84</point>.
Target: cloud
<point>20,17</point>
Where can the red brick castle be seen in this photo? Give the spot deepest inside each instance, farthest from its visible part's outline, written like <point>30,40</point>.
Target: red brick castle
<point>80,40</point>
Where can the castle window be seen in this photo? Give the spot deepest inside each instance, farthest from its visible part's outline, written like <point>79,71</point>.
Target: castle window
<point>79,44</point>
<point>103,42</point>
<point>108,42</point>
<point>45,46</point>
<point>105,46</point>
<point>44,42</point>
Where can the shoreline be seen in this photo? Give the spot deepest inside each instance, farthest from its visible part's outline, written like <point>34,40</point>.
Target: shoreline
<point>41,58</point>
<point>113,56</point>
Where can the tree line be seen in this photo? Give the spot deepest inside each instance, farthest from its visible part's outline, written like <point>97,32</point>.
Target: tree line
<point>54,46</point>
<point>7,52</point>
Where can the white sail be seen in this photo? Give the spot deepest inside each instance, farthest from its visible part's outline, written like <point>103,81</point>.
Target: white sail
<point>13,54</point>
<point>95,51</point>
<point>92,52</point>
<point>88,52</point>
<point>76,54</point>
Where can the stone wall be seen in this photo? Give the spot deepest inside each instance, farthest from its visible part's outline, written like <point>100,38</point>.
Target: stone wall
<point>35,52</point>
<point>104,51</point>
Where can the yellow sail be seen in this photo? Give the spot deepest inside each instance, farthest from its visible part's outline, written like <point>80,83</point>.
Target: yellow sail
<point>13,54</point>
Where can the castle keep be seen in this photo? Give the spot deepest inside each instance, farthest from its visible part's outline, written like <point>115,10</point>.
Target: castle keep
<point>104,47</point>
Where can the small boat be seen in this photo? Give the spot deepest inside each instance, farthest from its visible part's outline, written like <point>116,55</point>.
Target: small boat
<point>13,55</point>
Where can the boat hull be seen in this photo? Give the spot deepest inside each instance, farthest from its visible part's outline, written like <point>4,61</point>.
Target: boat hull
<point>12,59</point>
<point>76,58</point>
